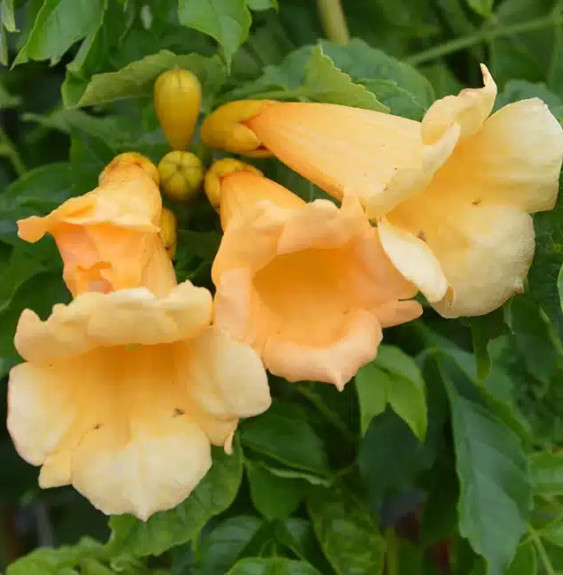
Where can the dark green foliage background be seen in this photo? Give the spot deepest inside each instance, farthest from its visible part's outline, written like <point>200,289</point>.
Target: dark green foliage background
<point>444,456</point>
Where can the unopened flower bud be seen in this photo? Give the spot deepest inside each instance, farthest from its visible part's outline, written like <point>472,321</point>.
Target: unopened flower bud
<point>177,100</point>
<point>168,231</point>
<point>218,170</point>
<point>115,167</point>
<point>181,174</point>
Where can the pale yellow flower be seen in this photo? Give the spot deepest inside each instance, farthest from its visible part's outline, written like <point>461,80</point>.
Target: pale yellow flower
<point>108,238</point>
<point>122,395</point>
<point>307,285</point>
<point>452,195</point>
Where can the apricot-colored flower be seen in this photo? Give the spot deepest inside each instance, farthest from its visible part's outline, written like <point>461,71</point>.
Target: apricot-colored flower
<point>108,238</point>
<point>123,394</point>
<point>452,195</point>
<point>307,285</point>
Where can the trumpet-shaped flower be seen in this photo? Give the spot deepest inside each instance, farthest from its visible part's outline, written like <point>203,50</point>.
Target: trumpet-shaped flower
<point>122,395</point>
<point>307,285</point>
<point>452,195</point>
<point>108,238</point>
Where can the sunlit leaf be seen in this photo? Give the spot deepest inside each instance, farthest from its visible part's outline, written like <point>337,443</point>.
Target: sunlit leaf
<point>228,21</point>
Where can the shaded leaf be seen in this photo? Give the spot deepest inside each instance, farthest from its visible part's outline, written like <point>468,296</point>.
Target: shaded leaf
<point>548,260</point>
<point>272,566</point>
<point>546,470</point>
<point>298,536</point>
<point>525,562</point>
<point>391,458</point>
<point>484,328</point>
<point>349,536</point>
<point>273,496</point>
<point>221,548</point>
<point>37,192</point>
<point>482,7</point>
<point>495,495</point>
<point>284,435</point>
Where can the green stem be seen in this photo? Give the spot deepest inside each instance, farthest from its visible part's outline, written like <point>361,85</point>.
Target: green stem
<point>452,46</point>
<point>391,553</point>
<point>542,552</point>
<point>12,153</point>
<point>329,414</point>
<point>333,21</point>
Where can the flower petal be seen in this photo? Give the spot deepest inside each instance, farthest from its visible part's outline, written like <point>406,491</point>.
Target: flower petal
<point>340,149</point>
<point>469,109</point>
<point>378,157</point>
<point>414,259</point>
<point>336,362</point>
<point>482,251</point>
<point>154,471</point>
<point>116,423</point>
<point>120,318</point>
<point>494,264</point>
<point>242,191</point>
<point>518,156</point>
<point>227,381</point>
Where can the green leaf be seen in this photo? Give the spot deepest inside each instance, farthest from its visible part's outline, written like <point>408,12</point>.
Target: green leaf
<point>262,4</point>
<point>324,82</point>
<point>548,260</point>
<point>28,296</point>
<point>439,516</point>
<point>395,84</point>
<point>228,21</point>
<point>221,548</point>
<point>137,78</point>
<point>525,562</point>
<point>166,529</point>
<point>482,7</point>
<point>273,496</point>
<point>59,24</point>
<point>60,561</point>
<point>492,469</point>
<point>553,532</point>
<point>442,79</point>
<point>398,100</point>
<point>516,90</point>
<point>283,434</point>
<point>287,473</point>
<point>348,534</point>
<point>533,55</point>
<point>37,192</point>
<point>20,267</point>
<point>393,378</point>
<point>7,15</point>
<point>272,566</point>
<point>7,99</point>
<point>391,458</point>
<point>298,536</point>
<point>546,470</point>
<point>484,328</point>
<point>539,346</point>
